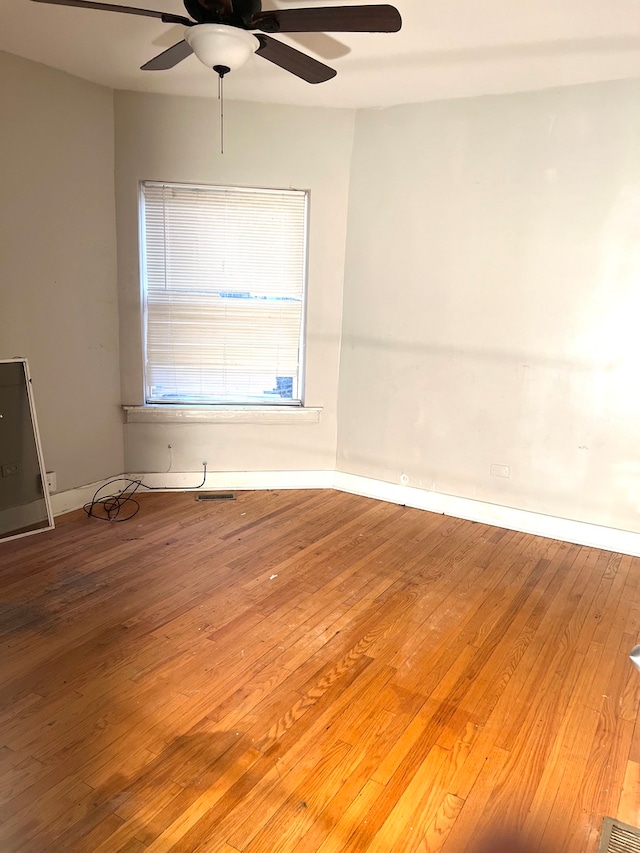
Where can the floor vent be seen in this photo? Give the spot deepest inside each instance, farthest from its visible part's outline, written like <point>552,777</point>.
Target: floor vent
<point>619,837</point>
<point>216,496</point>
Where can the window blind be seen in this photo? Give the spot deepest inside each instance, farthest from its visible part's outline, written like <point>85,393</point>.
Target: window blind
<point>223,273</point>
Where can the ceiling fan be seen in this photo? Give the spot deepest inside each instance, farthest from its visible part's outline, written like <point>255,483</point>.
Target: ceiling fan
<point>219,32</point>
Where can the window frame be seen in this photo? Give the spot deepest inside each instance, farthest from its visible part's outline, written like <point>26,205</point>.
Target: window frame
<point>230,403</point>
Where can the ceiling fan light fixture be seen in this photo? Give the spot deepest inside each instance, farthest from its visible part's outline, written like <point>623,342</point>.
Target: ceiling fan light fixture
<point>219,44</point>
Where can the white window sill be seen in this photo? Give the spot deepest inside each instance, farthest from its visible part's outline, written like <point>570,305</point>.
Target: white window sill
<point>222,414</point>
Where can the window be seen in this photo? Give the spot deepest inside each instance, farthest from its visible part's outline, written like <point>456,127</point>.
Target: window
<point>223,276</point>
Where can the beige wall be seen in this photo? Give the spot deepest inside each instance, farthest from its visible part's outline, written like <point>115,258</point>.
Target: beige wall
<point>492,295</point>
<point>491,284</point>
<point>177,139</point>
<point>58,294</point>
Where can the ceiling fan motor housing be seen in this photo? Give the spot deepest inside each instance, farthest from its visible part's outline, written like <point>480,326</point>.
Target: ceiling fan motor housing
<point>238,13</point>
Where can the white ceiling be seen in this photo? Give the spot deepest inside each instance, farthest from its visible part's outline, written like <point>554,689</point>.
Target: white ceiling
<point>446,48</point>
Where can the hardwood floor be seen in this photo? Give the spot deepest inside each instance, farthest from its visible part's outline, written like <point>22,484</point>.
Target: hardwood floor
<point>313,671</point>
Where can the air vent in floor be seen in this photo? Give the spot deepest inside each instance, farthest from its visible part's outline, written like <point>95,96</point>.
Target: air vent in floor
<point>216,496</point>
<point>619,837</point>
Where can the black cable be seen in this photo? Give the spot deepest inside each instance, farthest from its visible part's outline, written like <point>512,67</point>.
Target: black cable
<point>108,507</point>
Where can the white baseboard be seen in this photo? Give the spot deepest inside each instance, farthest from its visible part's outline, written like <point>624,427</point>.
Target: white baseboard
<point>62,502</point>
<point>240,480</point>
<point>578,532</point>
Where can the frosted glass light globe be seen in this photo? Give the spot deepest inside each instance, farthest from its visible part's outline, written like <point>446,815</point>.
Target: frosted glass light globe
<point>219,44</point>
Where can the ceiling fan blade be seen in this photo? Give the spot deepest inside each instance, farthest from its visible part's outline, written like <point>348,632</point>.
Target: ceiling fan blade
<point>293,60</point>
<point>167,17</point>
<point>169,57</point>
<point>342,19</point>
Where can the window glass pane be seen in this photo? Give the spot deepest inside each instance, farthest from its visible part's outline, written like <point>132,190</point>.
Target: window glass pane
<point>224,274</point>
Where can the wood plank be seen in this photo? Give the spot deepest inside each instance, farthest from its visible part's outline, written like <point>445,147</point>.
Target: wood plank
<point>404,682</point>
<point>628,810</point>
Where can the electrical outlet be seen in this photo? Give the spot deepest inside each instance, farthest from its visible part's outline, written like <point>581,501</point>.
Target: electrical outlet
<point>51,480</point>
<point>11,469</point>
<point>501,471</point>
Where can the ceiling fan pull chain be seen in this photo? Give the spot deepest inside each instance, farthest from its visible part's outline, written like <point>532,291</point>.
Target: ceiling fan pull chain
<point>221,70</point>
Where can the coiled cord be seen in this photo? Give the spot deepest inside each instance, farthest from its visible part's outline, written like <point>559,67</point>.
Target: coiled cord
<point>110,507</point>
